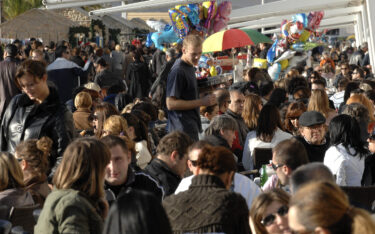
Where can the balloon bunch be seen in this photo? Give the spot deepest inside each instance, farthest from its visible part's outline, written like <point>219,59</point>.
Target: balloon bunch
<point>294,37</point>
<point>206,18</point>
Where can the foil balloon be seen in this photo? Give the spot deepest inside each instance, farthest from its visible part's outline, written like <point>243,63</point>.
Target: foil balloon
<point>209,13</point>
<point>179,22</point>
<point>284,64</point>
<point>156,25</point>
<point>222,16</point>
<point>166,36</point>
<point>304,35</point>
<point>274,71</point>
<point>192,12</point>
<point>302,18</point>
<point>285,27</point>
<point>299,46</point>
<point>295,31</point>
<point>285,56</point>
<point>202,63</point>
<point>149,41</point>
<point>271,54</point>
<point>314,19</point>
<point>260,63</point>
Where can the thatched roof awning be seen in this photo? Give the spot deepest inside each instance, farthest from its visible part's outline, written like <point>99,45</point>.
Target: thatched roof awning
<point>37,23</point>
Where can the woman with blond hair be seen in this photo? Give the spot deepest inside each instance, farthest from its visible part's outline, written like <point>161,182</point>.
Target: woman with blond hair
<point>83,103</point>
<point>269,212</point>
<point>33,157</point>
<point>77,204</point>
<point>12,187</point>
<point>101,113</point>
<point>319,102</point>
<point>252,107</point>
<point>115,125</point>
<point>322,207</point>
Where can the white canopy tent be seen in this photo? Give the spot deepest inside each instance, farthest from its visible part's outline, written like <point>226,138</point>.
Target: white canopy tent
<point>338,13</point>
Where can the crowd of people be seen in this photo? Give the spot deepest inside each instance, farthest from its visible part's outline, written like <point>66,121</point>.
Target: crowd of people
<point>122,140</point>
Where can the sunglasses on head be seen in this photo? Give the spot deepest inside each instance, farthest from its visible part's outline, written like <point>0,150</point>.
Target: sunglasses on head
<point>270,219</point>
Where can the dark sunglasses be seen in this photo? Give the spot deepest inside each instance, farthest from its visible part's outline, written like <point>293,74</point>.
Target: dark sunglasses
<point>193,162</point>
<point>270,219</point>
<point>274,167</point>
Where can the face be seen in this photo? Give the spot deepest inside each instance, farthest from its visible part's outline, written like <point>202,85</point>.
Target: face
<point>213,113</point>
<point>314,134</point>
<point>317,86</point>
<point>192,54</point>
<point>344,70</point>
<point>180,165</point>
<point>33,87</point>
<point>278,168</point>
<point>117,169</point>
<point>193,157</point>
<point>294,224</point>
<point>229,135</point>
<point>371,145</point>
<point>36,56</point>
<point>237,100</point>
<point>66,54</point>
<point>294,121</point>
<point>279,212</point>
<point>356,75</point>
<point>95,122</point>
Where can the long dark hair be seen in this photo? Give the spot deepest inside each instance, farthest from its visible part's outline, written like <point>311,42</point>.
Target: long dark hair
<point>344,129</point>
<point>134,212</point>
<point>268,122</point>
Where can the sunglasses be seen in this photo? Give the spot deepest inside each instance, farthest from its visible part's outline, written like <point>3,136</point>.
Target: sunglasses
<point>194,162</point>
<point>274,167</point>
<point>270,219</point>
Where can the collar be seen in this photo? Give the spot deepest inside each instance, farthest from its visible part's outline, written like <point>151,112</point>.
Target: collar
<point>205,180</point>
<point>233,114</point>
<point>164,166</point>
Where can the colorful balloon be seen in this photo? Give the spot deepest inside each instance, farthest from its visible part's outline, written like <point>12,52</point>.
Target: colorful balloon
<point>271,54</point>
<point>285,56</point>
<point>274,71</point>
<point>222,16</point>
<point>302,18</point>
<point>179,22</point>
<point>284,64</point>
<point>166,36</point>
<point>260,63</point>
<point>209,13</point>
<point>314,19</point>
<point>304,35</point>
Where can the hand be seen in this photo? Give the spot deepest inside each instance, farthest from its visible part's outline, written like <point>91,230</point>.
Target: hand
<point>209,100</point>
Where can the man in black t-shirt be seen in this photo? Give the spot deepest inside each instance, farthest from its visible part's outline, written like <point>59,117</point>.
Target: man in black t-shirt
<point>182,90</point>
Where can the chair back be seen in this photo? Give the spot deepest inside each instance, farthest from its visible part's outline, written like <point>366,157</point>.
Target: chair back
<point>23,216</point>
<point>362,196</point>
<point>261,156</point>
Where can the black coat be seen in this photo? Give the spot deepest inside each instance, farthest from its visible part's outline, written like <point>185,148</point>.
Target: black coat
<point>163,174</point>
<point>140,79</point>
<point>136,180</point>
<point>24,120</point>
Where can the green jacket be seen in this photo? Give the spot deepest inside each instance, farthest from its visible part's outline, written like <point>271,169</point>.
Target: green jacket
<point>67,211</point>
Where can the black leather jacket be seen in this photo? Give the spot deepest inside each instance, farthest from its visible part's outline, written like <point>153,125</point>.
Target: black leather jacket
<point>23,120</point>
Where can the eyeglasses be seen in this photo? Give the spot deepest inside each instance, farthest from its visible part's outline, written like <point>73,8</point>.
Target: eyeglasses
<point>194,162</point>
<point>270,219</point>
<point>274,167</point>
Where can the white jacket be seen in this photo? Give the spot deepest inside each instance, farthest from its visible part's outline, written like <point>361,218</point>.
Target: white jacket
<point>347,169</point>
<point>253,142</point>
